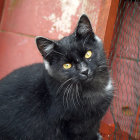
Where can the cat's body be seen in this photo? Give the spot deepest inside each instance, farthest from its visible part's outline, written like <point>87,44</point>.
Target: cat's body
<point>47,102</point>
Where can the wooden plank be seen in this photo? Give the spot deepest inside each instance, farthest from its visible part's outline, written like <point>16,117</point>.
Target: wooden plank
<point>1,8</point>
<point>105,26</point>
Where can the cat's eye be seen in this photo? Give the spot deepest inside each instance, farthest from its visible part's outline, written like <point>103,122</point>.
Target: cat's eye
<point>67,66</point>
<point>88,54</point>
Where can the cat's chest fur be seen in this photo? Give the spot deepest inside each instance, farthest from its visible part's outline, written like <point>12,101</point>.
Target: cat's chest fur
<point>83,118</point>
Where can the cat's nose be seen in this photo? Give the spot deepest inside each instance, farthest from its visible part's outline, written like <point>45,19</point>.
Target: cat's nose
<point>85,72</point>
<point>84,75</point>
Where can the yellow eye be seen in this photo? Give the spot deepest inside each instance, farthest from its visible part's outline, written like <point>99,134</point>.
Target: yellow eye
<point>67,66</point>
<point>88,54</point>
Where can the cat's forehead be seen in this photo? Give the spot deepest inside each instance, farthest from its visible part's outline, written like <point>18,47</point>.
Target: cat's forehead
<point>70,43</point>
<point>71,48</point>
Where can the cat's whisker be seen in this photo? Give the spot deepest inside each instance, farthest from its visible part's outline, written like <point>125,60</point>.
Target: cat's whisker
<point>62,85</point>
<point>65,93</point>
<point>78,94</point>
<point>102,66</point>
<point>72,97</point>
<point>68,93</point>
<point>79,86</point>
<point>100,70</point>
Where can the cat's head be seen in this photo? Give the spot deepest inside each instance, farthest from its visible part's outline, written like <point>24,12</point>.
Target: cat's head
<point>78,57</point>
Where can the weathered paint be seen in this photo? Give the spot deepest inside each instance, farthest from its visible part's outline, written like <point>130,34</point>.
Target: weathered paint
<point>92,9</point>
<point>53,19</point>
<point>63,23</point>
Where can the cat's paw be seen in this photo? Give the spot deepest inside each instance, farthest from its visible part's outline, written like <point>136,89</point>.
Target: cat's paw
<point>99,136</point>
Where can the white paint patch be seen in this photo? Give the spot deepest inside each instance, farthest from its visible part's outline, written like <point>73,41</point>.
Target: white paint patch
<point>98,39</point>
<point>109,85</point>
<point>23,42</point>
<point>60,36</point>
<point>47,67</point>
<point>63,23</point>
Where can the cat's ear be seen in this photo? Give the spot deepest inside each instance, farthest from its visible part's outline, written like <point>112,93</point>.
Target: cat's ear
<point>44,45</point>
<point>84,26</point>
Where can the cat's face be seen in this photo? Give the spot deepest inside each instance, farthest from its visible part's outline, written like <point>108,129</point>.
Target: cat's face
<point>77,57</point>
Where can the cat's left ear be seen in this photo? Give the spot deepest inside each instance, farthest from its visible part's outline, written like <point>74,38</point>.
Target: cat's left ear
<point>44,45</point>
<point>84,26</point>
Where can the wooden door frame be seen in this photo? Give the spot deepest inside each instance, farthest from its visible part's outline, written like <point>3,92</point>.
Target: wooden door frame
<point>106,22</point>
<point>1,8</point>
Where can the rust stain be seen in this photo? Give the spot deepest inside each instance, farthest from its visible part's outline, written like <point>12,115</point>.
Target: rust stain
<point>127,111</point>
<point>13,4</point>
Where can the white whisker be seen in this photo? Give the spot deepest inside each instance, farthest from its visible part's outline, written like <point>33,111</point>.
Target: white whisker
<point>72,97</point>
<point>77,94</point>
<point>65,93</point>
<point>69,92</point>
<point>62,85</point>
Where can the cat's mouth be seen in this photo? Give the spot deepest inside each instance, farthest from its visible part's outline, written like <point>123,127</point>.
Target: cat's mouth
<point>85,78</point>
<point>89,79</point>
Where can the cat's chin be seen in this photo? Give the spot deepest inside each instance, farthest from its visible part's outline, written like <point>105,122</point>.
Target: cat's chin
<point>87,80</point>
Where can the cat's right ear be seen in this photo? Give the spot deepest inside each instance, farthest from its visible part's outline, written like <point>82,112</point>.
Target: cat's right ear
<point>84,26</point>
<point>44,45</point>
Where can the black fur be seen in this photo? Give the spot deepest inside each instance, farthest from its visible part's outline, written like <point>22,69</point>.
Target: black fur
<point>57,104</point>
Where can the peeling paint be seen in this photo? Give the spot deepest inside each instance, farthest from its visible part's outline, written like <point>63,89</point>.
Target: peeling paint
<point>91,8</point>
<point>24,41</point>
<point>63,24</point>
<point>60,36</point>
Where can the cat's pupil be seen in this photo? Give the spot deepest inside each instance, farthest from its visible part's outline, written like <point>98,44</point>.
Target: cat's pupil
<point>88,54</point>
<point>67,66</point>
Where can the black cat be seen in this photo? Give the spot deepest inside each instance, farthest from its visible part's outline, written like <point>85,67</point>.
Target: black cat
<point>63,99</point>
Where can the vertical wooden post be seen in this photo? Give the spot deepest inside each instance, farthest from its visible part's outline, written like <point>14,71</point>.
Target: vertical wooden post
<point>136,131</point>
<point>106,22</point>
<point>1,8</point>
